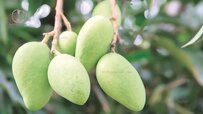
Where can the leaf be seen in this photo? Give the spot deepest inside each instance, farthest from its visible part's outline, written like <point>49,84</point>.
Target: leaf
<point>192,61</point>
<point>21,33</point>
<point>138,55</point>
<point>15,97</point>
<point>181,110</point>
<point>10,89</point>
<point>3,24</point>
<point>157,100</point>
<point>156,97</point>
<point>5,105</point>
<point>2,78</point>
<point>196,57</point>
<point>195,38</point>
<point>15,4</point>
<point>33,5</point>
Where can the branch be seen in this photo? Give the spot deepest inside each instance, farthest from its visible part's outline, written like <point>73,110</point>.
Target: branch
<point>176,83</point>
<point>101,98</point>
<point>57,26</point>
<point>66,22</point>
<point>99,94</point>
<point>114,19</point>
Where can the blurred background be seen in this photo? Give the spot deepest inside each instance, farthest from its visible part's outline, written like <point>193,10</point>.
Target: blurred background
<point>152,33</point>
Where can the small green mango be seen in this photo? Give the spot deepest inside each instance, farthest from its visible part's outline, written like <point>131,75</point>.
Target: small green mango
<point>93,41</point>
<point>67,42</point>
<point>118,78</point>
<point>68,77</point>
<point>104,8</point>
<point>30,65</point>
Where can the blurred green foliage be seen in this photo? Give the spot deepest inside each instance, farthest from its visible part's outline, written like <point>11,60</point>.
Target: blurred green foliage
<point>172,75</point>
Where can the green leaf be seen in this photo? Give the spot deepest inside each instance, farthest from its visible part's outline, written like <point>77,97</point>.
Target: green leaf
<point>21,33</point>
<point>3,24</point>
<point>181,110</point>
<point>34,5</point>
<point>196,57</point>
<point>138,55</point>
<point>195,38</point>
<point>192,61</point>
<point>157,100</point>
<point>156,97</point>
<point>10,89</point>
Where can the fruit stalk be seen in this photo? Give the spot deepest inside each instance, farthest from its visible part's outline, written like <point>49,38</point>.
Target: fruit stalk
<point>59,16</point>
<point>57,24</point>
<point>115,26</point>
<point>66,22</point>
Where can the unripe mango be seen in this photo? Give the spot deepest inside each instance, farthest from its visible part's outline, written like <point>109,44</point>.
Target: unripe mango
<point>104,8</point>
<point>30,65</point>
<point>93,41</point>
<point>67,42</point>
<point>68,77</point>
<point>118,78</point>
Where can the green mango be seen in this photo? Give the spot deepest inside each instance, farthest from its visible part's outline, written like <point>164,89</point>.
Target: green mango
<point>68,77</point>
<point>118,78</point>
<point>94,40</point>
<point>104,8</point>
<point>67,42</point>
<point>29,66</point>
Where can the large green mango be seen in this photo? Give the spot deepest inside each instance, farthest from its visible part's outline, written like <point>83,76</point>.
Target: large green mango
<point>68,77</point>
<point>118,78</point>
<point>93,41</point>
<point>104,8</point>
<point>30,65</point>
<point>67,42</point>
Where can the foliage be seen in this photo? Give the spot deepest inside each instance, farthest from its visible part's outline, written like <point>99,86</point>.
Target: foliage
<point>172,75</point>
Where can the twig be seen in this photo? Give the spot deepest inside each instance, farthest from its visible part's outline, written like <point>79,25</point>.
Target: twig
<point>99,94</point>
<point>176,83</point>
<point>57,26</point>
<point>115,25</point>
<point>66,22</point>
<point>101,98</point>
<point>47,36</point>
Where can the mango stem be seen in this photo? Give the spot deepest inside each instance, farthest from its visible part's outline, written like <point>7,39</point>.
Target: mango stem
<point>47,36</point>
<point>56,52</point>
<point>59,16</point>
<point>66,22</point>
<point>114,19</point>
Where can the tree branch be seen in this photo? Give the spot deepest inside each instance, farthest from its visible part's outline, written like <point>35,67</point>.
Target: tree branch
<point>57,26</point>
<point>101,98</point>
<point>114,19</point>
<point>66,22</point>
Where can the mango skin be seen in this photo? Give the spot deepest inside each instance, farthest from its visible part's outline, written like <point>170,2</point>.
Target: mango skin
<point>29,66</point>
<point>94,40</point>
<point>68,77</point>
<point>118,78</point>
<point>67,42</point>
<point>104,9</point>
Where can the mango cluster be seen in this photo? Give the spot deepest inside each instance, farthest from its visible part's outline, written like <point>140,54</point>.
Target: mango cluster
<point>37,76</point>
